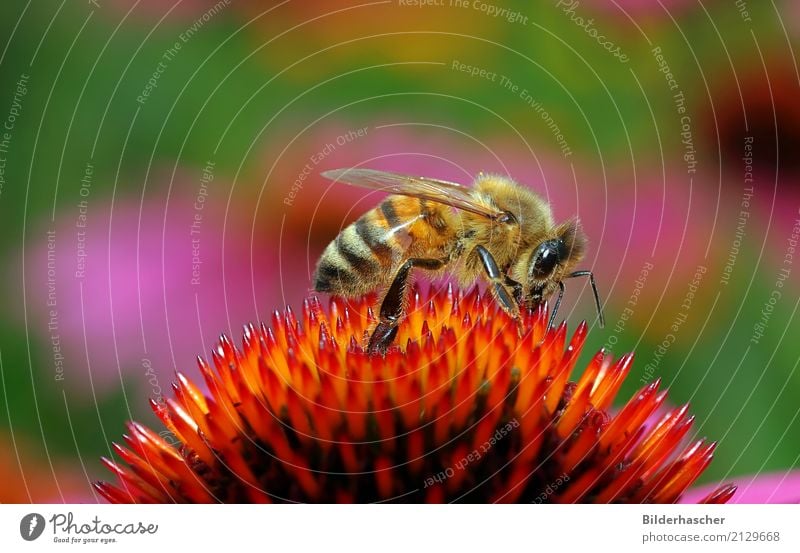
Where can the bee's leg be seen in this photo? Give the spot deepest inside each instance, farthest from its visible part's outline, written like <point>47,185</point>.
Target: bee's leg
<point>498,281</point>
<point>517,288</point>
<point>556,305</point>
<point>392,304</point>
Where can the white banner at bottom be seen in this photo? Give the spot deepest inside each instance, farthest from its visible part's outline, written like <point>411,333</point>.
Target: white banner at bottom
<point>400,528</point>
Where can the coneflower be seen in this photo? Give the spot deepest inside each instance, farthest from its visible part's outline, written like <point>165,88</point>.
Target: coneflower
<point>466,409</point>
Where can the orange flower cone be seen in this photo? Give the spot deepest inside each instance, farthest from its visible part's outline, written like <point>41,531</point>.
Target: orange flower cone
<point>464,409</point>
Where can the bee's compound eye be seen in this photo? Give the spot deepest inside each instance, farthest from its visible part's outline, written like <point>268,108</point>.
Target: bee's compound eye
<point>545,259</point>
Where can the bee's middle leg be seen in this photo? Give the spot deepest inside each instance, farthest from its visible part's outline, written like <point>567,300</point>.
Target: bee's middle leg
<point>499,281</point>
<point>392,304</point>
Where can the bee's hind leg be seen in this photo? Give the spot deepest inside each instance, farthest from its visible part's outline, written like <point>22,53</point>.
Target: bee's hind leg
<point>392,304</point>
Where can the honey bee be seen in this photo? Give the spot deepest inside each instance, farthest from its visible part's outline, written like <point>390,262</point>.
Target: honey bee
<point>498,230</point>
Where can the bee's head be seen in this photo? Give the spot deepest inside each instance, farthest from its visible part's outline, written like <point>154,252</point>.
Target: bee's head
<point>552,258</point>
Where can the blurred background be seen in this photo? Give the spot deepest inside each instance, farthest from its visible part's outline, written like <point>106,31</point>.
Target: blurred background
<point>159,185</point>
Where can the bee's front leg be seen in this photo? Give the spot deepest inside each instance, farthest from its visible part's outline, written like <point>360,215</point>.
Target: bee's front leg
<point>556,305</point>
<point>519,294</point>
<point>499,281</point>
<point>537,297</point>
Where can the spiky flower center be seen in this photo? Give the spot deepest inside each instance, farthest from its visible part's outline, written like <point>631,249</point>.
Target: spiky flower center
<point>466,408</point>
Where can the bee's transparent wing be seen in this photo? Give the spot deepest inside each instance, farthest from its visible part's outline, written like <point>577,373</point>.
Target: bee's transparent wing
<point>443,192</point>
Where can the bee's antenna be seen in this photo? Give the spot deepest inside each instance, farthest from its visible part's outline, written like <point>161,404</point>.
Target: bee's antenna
<point>601,320</point>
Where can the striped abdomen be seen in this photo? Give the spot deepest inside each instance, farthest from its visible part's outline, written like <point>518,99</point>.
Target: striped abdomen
<point>367,254</point>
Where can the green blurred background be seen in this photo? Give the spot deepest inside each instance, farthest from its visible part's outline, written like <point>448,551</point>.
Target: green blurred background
<point>159,185</point>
